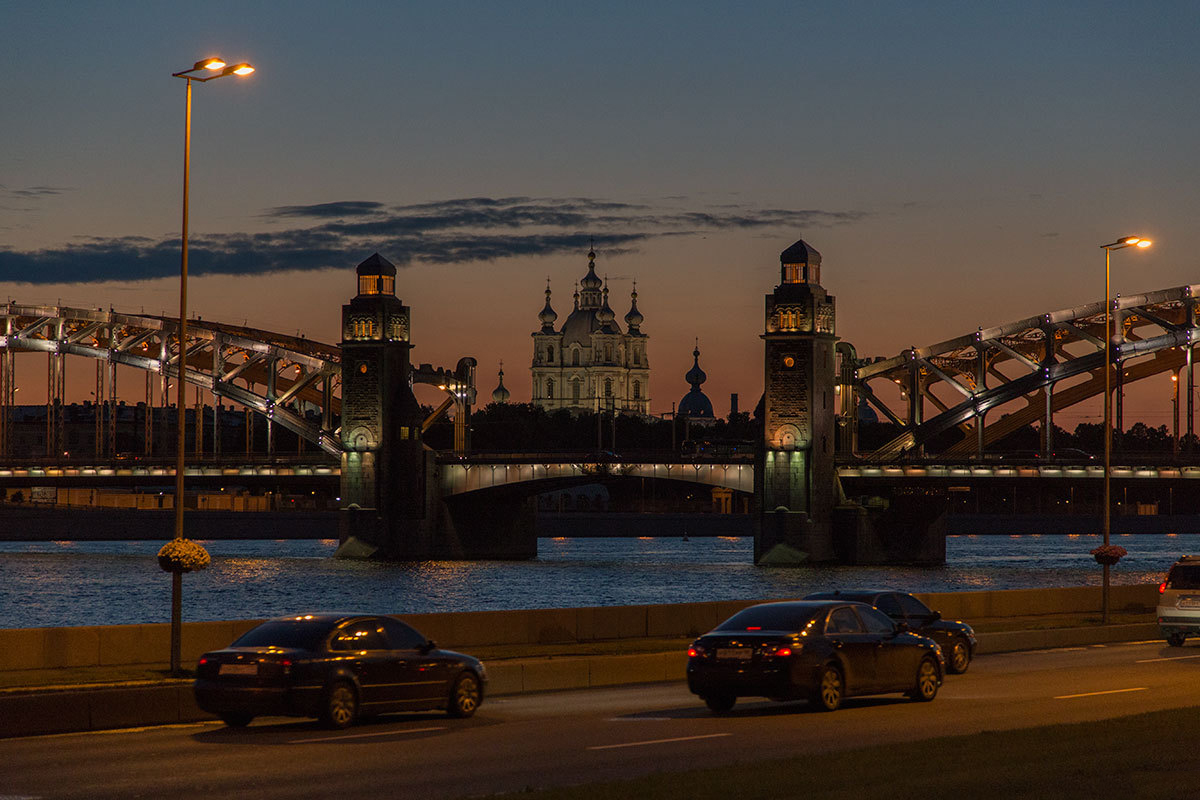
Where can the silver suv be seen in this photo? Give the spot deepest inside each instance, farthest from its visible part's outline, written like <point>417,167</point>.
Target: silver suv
<point>1179,601</point>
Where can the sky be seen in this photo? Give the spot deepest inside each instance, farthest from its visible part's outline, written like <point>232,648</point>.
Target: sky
<point>956,164</point>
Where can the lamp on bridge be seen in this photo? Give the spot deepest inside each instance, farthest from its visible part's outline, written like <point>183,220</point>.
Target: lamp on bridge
<point>207,69</point>
<point>1119,244</point>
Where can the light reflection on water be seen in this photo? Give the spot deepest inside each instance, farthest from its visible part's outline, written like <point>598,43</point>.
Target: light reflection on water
<point>106,583</point>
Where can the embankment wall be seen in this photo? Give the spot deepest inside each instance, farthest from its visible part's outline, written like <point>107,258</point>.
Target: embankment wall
<point>116,645</point>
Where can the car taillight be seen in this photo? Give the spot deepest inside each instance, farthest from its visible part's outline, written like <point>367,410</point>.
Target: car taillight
<point>203,661</point>
<point>695,651</point>
<point>783,651</point>
<point>1162,587</point>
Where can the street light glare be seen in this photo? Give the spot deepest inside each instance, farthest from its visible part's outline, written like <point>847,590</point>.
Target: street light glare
<point>1131,240</point>
<point>210,63</point>
<point>238,69</point>
<point>1144,243</point>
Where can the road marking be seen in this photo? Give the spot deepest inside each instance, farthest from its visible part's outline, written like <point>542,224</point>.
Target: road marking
<point>1094,694</point>
<point>1167,658</point>
<point>657,741</point>
<point>366,735</point>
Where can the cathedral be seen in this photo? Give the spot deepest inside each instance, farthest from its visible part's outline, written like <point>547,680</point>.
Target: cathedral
<point>590,364</point>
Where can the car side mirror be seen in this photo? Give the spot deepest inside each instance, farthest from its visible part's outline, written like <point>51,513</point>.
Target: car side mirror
<point>902,627</point>
<point>429,646</point>
<point>935,616</point>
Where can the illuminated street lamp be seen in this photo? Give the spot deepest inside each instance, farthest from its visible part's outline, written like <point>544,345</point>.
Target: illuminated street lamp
<point>215,68</point>
<point>1123,242</point>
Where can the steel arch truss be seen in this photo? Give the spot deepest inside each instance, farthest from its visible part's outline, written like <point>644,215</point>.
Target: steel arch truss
<point>283,378</point>
<point>962,379</point>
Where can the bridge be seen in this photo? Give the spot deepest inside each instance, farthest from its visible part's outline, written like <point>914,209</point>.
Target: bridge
<point>976,389</point>
<point>1027,370</point>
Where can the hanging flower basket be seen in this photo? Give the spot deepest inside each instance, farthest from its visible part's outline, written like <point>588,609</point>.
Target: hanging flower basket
<point>1108,554</point>
<point>183,555</point>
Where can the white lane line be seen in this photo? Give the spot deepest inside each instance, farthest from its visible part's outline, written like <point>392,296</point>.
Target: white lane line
<point>1095,694</point>
<point>1167,658</point>
<point>366,735</point>
<point>658,741</point>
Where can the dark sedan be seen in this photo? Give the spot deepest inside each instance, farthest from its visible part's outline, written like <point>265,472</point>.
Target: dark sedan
<point>822,651</point>
<point>956,637</point>
<point>336,667</point>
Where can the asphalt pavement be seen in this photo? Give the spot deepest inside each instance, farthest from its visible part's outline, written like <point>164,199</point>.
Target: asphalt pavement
<point>571,737</point>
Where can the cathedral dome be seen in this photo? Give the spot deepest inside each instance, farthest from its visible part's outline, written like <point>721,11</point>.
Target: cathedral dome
<point>501,394</point>
<point>695,403</point>
<point>580,325</point>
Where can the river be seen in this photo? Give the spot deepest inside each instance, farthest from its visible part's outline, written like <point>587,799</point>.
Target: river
<point>50,584</point>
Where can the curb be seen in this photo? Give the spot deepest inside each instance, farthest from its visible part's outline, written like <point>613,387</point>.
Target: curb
<point>70,710</point>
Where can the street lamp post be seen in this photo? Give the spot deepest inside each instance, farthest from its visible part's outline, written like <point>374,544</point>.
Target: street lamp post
<point>217,66</point>
<point>1123,242</point>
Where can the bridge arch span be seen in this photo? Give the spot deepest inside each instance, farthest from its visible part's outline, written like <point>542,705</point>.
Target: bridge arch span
<point>1153,333</point>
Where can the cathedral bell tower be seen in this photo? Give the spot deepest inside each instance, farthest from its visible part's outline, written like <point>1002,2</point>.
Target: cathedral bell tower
<point>383,462</point>
<point>795,475</point>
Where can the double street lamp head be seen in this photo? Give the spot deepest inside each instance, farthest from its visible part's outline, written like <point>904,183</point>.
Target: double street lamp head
<point>212,64</point>
<point>1127,241</point>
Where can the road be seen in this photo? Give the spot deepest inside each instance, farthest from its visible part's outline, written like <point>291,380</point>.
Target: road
<point>583,736</point>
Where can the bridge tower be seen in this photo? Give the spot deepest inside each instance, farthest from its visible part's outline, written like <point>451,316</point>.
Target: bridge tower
<point>794,475</point>
<point>384,464</point>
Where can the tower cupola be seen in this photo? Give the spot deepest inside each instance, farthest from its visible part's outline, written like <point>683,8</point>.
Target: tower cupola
<point>800,263</point>
<point>376,275</point>
<point>547,316</point>
<point>634,318</point>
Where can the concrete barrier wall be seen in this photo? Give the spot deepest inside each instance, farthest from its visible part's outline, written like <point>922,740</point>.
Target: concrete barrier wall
<point>115,645</point>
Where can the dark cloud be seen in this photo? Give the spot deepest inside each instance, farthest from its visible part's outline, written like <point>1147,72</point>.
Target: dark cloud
<point>34,192</point>
<point>442,232</point>
<point>345,208</point>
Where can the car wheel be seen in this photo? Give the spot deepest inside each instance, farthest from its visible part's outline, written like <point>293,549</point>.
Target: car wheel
<point>464,696</point>
<point>927,681</point>
<point>341,706</point>
<point>1176,639</point>
<point>959,657</point>
<point>720,703</point>
<point>235,720</point>
<point>830,689</point>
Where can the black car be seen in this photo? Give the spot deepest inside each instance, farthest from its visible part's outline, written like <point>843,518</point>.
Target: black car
<point>336,667</point>
<point>956,637</point>
<point>818,650</point>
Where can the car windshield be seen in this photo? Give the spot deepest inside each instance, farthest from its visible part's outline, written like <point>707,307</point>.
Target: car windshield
<point>293,634</point>
<point>771,618</point>
<point>1184,576</point>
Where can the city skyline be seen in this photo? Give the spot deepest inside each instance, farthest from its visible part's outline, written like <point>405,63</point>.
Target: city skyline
<point>956,167</point>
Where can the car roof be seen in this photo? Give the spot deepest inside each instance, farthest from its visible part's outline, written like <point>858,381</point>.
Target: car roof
<point>328,617</point>
<point>806,603</point>
<point>850,593</point>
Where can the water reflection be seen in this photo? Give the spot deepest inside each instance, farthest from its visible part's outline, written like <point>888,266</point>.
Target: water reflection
<point>94,583</point>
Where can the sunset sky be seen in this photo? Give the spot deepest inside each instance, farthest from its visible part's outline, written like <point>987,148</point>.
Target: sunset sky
<point>956,164</point>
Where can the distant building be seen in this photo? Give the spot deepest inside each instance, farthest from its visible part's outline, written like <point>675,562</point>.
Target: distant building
<point>590,364</point>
